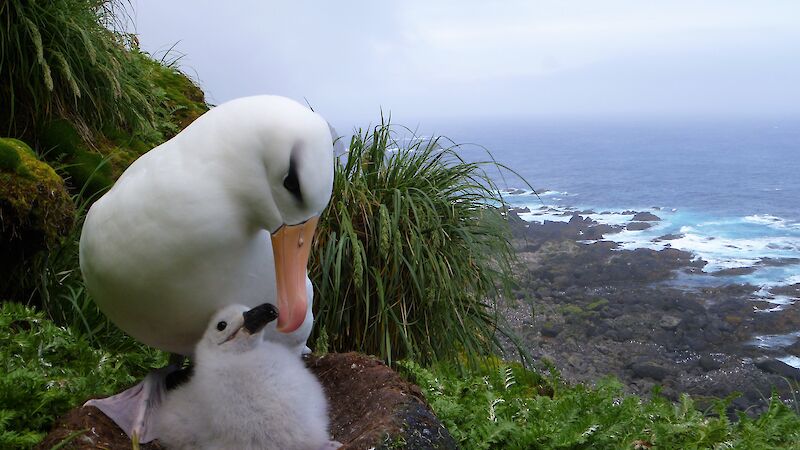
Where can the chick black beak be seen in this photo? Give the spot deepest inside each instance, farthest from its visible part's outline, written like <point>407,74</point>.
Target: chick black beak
<point>257,318</point>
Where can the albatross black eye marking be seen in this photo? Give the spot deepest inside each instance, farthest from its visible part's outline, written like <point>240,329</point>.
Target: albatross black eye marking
<point>221,325</point>
<point>292,182</point>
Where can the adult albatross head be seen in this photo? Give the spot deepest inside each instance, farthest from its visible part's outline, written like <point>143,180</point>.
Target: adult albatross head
<point>295,149</point>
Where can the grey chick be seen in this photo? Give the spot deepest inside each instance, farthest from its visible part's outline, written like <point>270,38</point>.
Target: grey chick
<point>245,392</point>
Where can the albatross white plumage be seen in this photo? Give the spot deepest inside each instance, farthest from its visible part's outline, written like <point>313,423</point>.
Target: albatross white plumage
<point>245,393</point>
<point>224,211</point>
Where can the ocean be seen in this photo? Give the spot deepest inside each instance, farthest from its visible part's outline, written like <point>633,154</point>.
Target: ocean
<point>728,191</point>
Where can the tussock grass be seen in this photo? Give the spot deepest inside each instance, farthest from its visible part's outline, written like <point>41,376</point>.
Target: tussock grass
<point>59,59</point>
<point>412,252</point>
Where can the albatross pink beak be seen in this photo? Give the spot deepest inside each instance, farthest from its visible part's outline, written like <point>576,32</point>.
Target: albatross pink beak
<point>291,245</point>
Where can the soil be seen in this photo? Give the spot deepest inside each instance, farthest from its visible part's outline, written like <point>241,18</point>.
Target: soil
<point>371,407</point>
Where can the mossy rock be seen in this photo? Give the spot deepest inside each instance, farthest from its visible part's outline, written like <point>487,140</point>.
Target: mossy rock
<point>10,161</point>
<point>35,208</point>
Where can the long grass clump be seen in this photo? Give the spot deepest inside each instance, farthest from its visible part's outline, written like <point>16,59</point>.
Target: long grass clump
<point>412,252</point>
<point>58,58</point>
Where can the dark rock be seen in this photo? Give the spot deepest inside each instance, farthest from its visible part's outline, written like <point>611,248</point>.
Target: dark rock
<point>708,363</point>
<point>791,290</point>
<point>650,369</point>
<point>779,367</point>
<point>422,430</point>
<point>793,349</point>
<point>622,334</point>
<point>778,262</point>
<point>577,219</point>
<point>735,271</point>
<point>646,217</point>
<point>637,226</point>
<point>669,322</point>
<point>668,237</point>
<point>551,329</point>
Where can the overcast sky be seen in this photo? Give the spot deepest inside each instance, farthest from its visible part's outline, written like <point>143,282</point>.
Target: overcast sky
<point>451,59</point>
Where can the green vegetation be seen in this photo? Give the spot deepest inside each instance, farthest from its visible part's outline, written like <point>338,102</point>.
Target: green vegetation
<point>505,406</point>
<point>48,369</point>
<point>411,253</point>
<point>59,59</point>
<point>89,103</point>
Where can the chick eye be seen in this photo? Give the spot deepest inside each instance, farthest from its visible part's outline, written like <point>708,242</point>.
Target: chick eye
<point>221,325</point>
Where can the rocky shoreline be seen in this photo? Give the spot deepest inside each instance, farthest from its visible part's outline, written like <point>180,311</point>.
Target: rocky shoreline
<point>594,310</point>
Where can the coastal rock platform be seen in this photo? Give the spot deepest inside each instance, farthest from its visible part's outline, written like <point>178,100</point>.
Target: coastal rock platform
<point>594,310</point>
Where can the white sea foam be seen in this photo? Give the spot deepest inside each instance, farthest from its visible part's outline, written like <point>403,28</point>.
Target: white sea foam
<point>720,253</point>
<point>793,361</point>
<point>770,310</point>
<point>771,221</point>
<point>523,192</point>
<point>775,340</point>
<point>542,216</point>
<point>511,192</point>
<point>780,301</point>
<point>552,193</point>
<point>795,279</point>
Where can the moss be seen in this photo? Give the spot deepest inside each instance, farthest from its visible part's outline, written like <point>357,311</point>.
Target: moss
<point>9,156</point>
<point>59,138</point>
<point>572,310</point>
<point>85,166</point>
<point>600,303</point>
<point>90,172</point>
<point>733,319</point>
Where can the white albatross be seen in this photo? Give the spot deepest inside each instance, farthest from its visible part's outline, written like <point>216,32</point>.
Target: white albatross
<point>222,213</point>
<point>245,392</point>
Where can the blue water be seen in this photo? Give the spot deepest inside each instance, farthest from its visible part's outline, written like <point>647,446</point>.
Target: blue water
<point>723,169</point>
<point>729,189</point>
